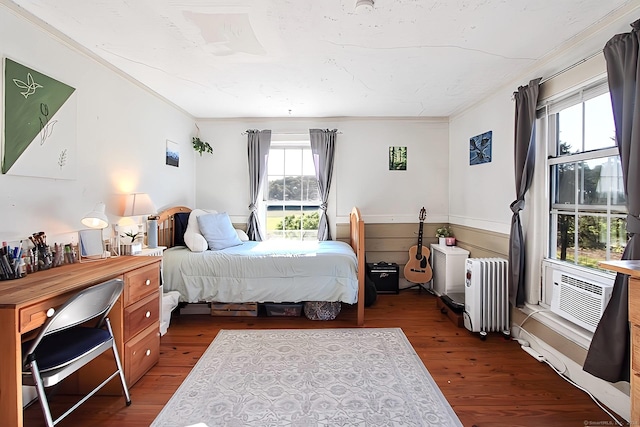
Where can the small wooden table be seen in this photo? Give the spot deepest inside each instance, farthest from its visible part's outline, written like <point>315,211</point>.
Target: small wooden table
<point>632,268</point>
<point>24,303</point>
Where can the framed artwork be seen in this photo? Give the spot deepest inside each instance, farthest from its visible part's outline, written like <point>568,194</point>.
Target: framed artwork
<point>397,158</point>
<point>480,148</point>
<point>173,153</point>
<point>40,124</point>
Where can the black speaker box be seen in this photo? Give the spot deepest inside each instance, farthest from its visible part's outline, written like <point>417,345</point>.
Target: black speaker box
<point>385,276</point>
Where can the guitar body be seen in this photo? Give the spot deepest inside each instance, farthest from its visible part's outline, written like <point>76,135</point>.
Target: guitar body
<point>417,269</point>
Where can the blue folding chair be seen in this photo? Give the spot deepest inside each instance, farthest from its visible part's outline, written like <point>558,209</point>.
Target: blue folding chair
<point>65,343</point>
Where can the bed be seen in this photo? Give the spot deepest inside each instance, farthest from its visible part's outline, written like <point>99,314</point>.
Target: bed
<point>270,271</point>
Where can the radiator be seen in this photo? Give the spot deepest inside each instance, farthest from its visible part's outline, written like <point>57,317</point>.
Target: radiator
<point>486,296</point>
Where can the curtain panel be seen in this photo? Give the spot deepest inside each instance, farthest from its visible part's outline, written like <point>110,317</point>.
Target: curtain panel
<point>524,163</point>
<point>258,143</point>
<point>323,147</point>
<point>609,354</point>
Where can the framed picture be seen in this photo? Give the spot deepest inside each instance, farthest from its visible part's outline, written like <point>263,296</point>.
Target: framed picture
<point>40,124</point>
<point>173,153</point>
<point>397,158</point>
<point>480,148</point>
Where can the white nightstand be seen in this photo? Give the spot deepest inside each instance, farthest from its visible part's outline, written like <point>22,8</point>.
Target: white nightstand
<point>152,251</point>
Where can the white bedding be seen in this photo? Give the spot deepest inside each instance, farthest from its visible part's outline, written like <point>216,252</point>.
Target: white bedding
<point>272,271</point>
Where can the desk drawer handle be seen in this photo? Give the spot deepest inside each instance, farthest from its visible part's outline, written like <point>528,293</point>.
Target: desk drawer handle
<point>147,282</point>
<point>148,352</point>
<point>147,314</point>
<point>51,312</point>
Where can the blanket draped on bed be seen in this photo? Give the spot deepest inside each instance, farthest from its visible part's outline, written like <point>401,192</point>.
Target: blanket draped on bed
<point>270,271</point>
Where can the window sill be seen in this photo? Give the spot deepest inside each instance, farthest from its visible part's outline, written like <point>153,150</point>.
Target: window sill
<point>567,329</point>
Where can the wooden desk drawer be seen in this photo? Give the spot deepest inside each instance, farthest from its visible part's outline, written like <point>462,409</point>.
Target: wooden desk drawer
<point>34,316</point>
<point>142,352</point>
<point>140,283</point>
<point>634,300</point>
<point>140,315</point>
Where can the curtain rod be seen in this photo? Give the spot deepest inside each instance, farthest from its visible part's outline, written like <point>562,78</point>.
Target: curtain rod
<point>564,70</point>
<point>290,133</point>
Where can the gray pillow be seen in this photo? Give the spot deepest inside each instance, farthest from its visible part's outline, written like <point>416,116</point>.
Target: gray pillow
<point>218,231</point>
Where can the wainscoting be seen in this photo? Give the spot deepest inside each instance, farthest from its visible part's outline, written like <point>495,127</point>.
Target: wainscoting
<point>391,242</point>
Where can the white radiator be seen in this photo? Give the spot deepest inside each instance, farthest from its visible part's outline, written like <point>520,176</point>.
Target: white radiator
<point>486,296</point>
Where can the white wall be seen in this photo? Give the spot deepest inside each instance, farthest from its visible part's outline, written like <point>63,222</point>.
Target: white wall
<point>361,174</point>
<point>121,134</point>
<point>480,195</point>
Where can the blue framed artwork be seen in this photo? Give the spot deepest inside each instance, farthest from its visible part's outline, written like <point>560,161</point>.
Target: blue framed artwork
<point>173,154</point>
<point>480,148</point>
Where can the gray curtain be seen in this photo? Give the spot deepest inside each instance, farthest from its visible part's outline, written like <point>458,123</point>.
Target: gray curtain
<point>608,356</point>
<point>323,147</point>
<point>524,160</point>
<point>258,143</point>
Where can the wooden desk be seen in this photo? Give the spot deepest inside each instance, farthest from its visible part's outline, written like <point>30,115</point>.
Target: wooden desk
<point>24,303</point>
<point>632,268</point>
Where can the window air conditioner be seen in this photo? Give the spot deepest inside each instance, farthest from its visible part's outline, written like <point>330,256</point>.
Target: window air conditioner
<point>580,299</point>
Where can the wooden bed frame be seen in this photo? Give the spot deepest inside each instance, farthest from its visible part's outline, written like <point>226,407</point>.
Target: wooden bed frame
<point>356,240</point>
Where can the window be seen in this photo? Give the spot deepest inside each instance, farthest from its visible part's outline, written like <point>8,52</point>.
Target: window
<point>292,200</point>
<point>587,219</point>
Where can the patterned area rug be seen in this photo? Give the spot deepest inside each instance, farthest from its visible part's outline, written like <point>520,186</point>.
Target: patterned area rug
<point>317,377</point>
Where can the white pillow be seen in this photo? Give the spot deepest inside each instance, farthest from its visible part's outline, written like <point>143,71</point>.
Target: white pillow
<point>218,230</point>
<point>192,236</point>
<point>242,235</point>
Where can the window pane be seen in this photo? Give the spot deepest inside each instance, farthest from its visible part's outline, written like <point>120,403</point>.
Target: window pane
<point>310,189</point>
<point>589,173</point>
<point>275,225</point>
<point>599,129</point>
<point>565,237</point>
<point>292,188</point>
<point>570,130</point>
<point>293,161</point>
<point>307,163</point>
<point>276,188</point>
<point>610,184</point>
<point>565,187</point>
<point>618,238</point>
<point>275,161</point>
<point>592,240</point>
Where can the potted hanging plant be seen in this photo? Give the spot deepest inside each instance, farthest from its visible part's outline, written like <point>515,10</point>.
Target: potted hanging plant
<point>201,146</point>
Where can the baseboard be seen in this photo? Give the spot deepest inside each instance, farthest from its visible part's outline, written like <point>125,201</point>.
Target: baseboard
<point>605,392</point>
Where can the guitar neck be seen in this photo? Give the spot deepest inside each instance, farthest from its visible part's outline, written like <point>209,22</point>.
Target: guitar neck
<point>419,253</point>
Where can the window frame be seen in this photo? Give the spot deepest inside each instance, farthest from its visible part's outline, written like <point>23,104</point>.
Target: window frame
<point>297,144</point>
<point>547,114</point>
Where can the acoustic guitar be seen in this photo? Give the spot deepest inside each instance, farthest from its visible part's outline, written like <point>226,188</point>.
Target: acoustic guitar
<point>417,269</point>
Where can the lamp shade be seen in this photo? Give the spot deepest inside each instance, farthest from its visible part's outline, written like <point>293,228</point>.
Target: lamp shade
<point>138,204</point>
<point>96,218</point>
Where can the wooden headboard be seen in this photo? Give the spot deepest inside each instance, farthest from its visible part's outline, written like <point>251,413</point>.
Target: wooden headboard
<point>356,240</point>
<point>166,225</point>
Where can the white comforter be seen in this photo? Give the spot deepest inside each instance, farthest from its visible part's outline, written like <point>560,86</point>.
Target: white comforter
<point>272,271</point>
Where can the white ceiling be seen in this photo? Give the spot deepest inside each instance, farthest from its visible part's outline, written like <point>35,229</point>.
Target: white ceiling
<point>322,58</point>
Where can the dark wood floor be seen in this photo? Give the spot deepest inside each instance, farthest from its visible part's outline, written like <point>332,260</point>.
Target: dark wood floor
<point>488,383</point>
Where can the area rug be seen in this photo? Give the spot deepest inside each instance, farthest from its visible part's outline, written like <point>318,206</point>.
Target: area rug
<point>317,377</point>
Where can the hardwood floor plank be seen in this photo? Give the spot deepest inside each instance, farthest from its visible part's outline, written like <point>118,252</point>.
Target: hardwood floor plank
<point>491,383</point>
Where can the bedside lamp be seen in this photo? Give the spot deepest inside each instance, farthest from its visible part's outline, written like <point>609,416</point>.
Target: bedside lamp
<point>96,218</point>
<point>138,204</point>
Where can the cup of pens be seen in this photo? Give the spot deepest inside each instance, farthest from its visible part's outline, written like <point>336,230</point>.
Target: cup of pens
<point>11,263</point>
